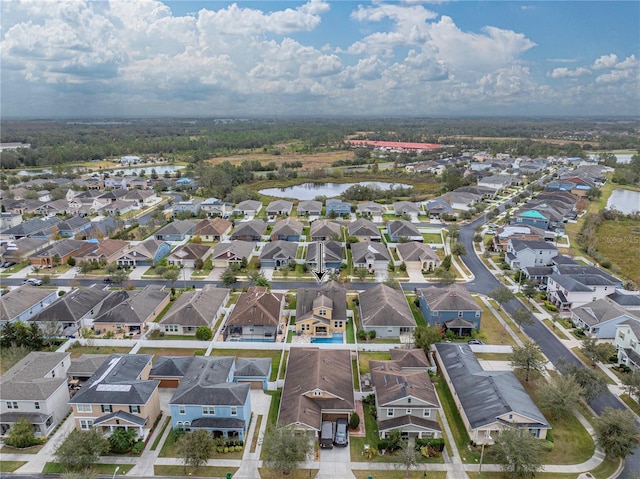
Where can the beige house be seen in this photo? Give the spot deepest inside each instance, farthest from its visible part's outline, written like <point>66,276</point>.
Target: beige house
<point>321,311</point>
<point>418,256</point>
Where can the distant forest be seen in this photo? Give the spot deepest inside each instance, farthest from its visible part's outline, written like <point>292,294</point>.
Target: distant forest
<point>58,142</point>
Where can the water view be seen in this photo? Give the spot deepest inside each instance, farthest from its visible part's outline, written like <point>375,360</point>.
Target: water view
<point>626,201</point>
<point>308,191</point>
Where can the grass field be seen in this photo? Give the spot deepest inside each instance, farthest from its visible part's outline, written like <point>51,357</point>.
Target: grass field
<point>103,469</point>
<point>382,474</point>
<point>11,466</point>
<point>619,241</point>
<point>80,350</point>
<point>495,332</point>
<point>364,358</point>
<point>204,471</point>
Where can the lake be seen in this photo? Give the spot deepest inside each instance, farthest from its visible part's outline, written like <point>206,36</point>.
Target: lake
<point>626,201</point>
<point>308,191</point>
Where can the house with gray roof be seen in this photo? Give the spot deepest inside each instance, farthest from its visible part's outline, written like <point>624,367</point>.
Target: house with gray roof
<point>249,231</point>
<point>406,400</point>
<point>318,386</point>
<point>255,317</point>
<point>225,254</point>
<point>85,366</point>
<point>287,229</point>
<point>278,253</point>
<point>309,208</point>
<point>18,250</point>
<point>177,230</point>
<point>170,370</point>
<point>372,210</point>
<point>56,253</point>
<point>279,208</point>
<point>321,311</point>
<point>451,307</point>
<point>364,230</point>
<point>118,395</point>
<point>194,309</point>
<point>147,253</point>
<point>186,255</point>
<point>370,256</point>
<point>599,318</point>
<point>248,207</point>
<point>488,401</point>
<point>74,310</point>
<point>216,207</point>
<point>33,228</point>
<point>337,206</point>
<point>191,206</point>
<point>255,371</point>
<point>628,300</point>
<point>571,286</point>
<point>627,342</point>
<point>438,209</point>
<point>25,302</point>
<point>333,255</point>
<point>522,254</point>
<point>418,256</point>
<point>325,230</point>
<point>407,207</point>
<point>402,230</point>
<point>208,399</point>
<point>35,389</point>
<point>385,310</point>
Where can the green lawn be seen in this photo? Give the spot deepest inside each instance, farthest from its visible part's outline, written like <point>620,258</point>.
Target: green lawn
<point>297,474</point>
<point>434,238</point>
<point>494,331</point>
<point>101,468</point>
<point>11,466</point>
<point>169,449</point>
<point>364,358</point>
<point>27,450</point>
<point>395,474</point>
<point>204,471</point>
<point>79,350</point>
<point>154,446</point>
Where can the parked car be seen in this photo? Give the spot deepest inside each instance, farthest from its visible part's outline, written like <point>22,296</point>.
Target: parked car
<point>326,435</point>
<point>342,436</point>
<point>475,341</point>
<point>33,281</point>
<point>107,281</point>
<point>7,264</point>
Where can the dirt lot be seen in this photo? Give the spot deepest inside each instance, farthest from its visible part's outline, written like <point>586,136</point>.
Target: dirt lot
<point>309,161</point>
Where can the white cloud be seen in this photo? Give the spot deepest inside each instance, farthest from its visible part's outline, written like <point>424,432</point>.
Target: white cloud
<point>628,63</point>
<point>605,61</point>
<point>567,73</point>
<point>614,76</point>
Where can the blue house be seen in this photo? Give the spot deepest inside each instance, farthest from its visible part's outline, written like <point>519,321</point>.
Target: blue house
<point>453,308</point>
<point>339,206</point>
<point>185,184</point>
<point>253,371</point>
<point>208,399</point>
<point>177,230</point>
<point>147,253</point>
<point>533,218</point>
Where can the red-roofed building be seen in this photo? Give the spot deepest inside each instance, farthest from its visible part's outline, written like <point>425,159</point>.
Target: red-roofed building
<point>396,145</point>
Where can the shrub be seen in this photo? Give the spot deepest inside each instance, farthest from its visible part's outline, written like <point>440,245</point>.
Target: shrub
<point>198,352</point>
<point>354,421</point>
<point>138,447</point>
<point>550,306</point>
<point>372,334</point>
<point>547,446</point>
<point>21,435</point>
<point>61,292</point>
<point>362,335</point>
<point>204,333</point>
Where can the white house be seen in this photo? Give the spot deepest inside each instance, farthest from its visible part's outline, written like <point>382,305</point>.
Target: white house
<point>525,254</point>
<point>627,342</point>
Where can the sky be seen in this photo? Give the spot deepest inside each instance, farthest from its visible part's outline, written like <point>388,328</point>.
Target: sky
<point>77,58</point>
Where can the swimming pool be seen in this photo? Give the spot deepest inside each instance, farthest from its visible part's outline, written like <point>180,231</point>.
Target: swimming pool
<point>336,338</point>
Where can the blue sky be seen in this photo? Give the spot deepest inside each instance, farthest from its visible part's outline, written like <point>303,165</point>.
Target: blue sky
<point>319,58</point>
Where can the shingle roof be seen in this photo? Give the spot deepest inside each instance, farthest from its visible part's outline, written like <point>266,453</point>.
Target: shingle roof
<point>599,312</point>
<point>415,251</point>
<point>132,307</point>
<point>287,227</point>
<point>252,367</point>
<point>248,205</point>
<point>190,251</point>
<point>236,249</point>
<point>121,415</point>
<point>176,227</point>
<point>310,205</point>
<point>332,252</point>
<point>360,251</point>
<point>399,228</point>
<point>452,298</point>
<point>19,300</point>
<point>212,227</point>
<point>385,306</point>
<point>86,364</point>
<point>332,290</point>
<point>27,379</point>
<point>196,308</point>
<point>170,366</point>
<point>363,227</point>
<point>625,300</point>
<point>249,228</point>
<point>73,306</point>
<point>257,307</point>
<point>280,205</point>
<point>520,245</point>
<point>279,249</point>
<point>324,228</point>
<point>409,358</point>
<point>393,384</point>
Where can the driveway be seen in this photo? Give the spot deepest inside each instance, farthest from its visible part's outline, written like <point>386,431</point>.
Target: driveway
<point>415,276</point>
<point>335,464</point>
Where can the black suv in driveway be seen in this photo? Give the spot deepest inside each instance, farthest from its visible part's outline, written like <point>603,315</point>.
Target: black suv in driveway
<point>342,436</point>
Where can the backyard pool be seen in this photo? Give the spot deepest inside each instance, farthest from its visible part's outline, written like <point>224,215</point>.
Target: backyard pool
<point>336,338</point>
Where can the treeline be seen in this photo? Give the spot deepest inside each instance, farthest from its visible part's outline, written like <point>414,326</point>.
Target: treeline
<point>627,173</point>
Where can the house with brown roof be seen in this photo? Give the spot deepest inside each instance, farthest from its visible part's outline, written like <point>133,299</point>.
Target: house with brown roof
<point>318,387</point>
<point>212,229</point>
<point>364,230</point>
<point>321,311</point>
<point>325,230</point>
<point>287,229</point>
<point>187,254</point>
<point>385,310</point>
<point>406,400</point>
<point>226,254</point>
<point>255,317</point>
<point>193,309</point>
<point>249,231</point>
<point>418,256</point>
<point>101,251</point>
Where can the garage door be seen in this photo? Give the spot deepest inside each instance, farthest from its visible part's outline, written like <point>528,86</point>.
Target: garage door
<point>169,383</point>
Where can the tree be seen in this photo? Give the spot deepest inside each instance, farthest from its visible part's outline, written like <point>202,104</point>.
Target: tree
<point>361,273</point>
<point>502,295</point>
<point>529,288</point>
<point>81,450</point>
<point>615,432</point>
<point>454,232</point>
<point>528,357</point>
<point>259,279</point>
<point>122,440</point>
<point>518,452</point>
<point>592,383</point>
<point>171,275</point>
<point>21,435</point>
<point>195,448</point>
<point>120,276</point>
<point>204,333</point>
<point>85,266</point>
<point>632,381</point>
<point>425,336</point>
<point>446,263</point>
<point>445,276</point>
<point>407,459</point>
<point>354,421</point>
<point>458,249</point>
<point>522,316</point>
<point>198,264</point>
<point>228,276</point>
<point>285,449</point>
<point>597,352</point>
<point>560,395</point>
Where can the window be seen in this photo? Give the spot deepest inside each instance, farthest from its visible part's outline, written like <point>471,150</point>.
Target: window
<point>426,413</point>
<point>12,405</point>
<point>181,410</point>
<point>477,314</point>
<point>106,407</point>
<point>408,410</point>
<point>36,405</point>
<point>85,424</point>
<point>434,313</point>
<point>134,409</point>
<point>409,400</point>
<point>171,328</point>
<point>83,407</point>
<point>621,335</point>
<point>209,410</point>
<point>633,343</point>
<point>322,312</point>
<point>390,412</point>
<point>337,324</point>
<point>459,314</point>
<point>234,411</point>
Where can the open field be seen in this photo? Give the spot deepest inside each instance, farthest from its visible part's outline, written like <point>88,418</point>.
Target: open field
<point>80,350</point>
<point>619,242</point>
<point>309,161</point>
<point>506,138</point>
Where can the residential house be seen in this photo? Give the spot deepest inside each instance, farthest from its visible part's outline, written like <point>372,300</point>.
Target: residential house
<point>402,230</point>
<point>170,370</point>
<point>208,399</point>
<point>322,311</point>
<point>325,230</point>
<point>572,286</point>
<point>278,253</point>
<point>339,207</point>
<point>147,253</point>
<point>627,300</point>
<point>141,197</point>
<point>194,309</point>
<point>385,310</point>
<point>497,182</point>
<point>57,207</point>
<point>225,254</point>
<point>177,230</point>
<point>523,254</point>
<point>401,208</point>
<point>332,252</point>
<point>255,317</point>
<point>191,207</point>
<point>279,208</point>
<point>364,230</point>
<point>406,400</point>
<point>627,343</point>
<point>119,395</point>
<point>211,230</point>
<point>452,307</point>
<point>438,209</point>
<point>483,191</point>
<point>101,251</point>
<point>249,231</point>
<point>73,227</point>
<point>599,318</point>
<point>318,387</point>
<point>512,231</point>
<point>74,310</point>
<point>83,367</point>
<point>255,371</point>
<point>309,208</point>
<point>33,228</point>
<point>462,201</point>
<point>9,220</point>
<point>18,250</point>
<point>24,302</point>
<point>248,207</point>
<point>128,312</point>
<point>35,389</point>
<point>488,401</point>
<point>287,230</point>
<point>418,256</point>
<point>216,207</point>
<point>185,183</point>
<point>117,208</point>
<point>188,254</point>
<point>372,210</point>
<point>56,254</point>
<point>370,256</point>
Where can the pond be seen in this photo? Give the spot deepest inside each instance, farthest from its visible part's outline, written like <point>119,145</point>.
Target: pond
<point>626,201</point>
<point>308,191</point>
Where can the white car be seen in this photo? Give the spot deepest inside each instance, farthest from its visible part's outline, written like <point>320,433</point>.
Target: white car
<point>33,281</point>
